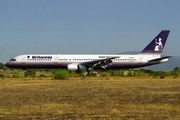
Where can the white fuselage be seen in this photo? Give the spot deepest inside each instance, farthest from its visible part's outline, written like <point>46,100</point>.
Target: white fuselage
<point>62,61</point>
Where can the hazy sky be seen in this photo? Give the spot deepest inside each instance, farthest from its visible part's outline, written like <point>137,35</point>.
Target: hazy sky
<point>86,26</point>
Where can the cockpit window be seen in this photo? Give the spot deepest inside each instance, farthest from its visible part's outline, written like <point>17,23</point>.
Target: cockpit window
<point>13,60</point>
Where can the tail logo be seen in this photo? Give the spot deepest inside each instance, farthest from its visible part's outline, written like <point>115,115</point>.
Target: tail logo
<point>158,45</point>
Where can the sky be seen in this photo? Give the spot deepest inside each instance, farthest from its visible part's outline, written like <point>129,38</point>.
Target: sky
<point>86,26</point>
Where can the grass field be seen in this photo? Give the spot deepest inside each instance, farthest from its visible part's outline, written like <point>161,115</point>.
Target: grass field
<point>90,98</point>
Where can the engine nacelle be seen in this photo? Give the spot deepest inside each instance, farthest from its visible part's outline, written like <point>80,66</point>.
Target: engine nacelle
<point>164,60</point>
<point>75,67</point>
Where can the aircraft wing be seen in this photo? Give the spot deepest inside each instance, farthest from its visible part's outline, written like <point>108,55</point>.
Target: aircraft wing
<point>98,63</point>
<point>162,59</point>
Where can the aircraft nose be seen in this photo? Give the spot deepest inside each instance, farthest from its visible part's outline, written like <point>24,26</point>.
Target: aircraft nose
<point>7,64</point>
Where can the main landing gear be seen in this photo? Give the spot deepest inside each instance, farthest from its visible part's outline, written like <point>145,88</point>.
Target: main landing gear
<point>25,71</point>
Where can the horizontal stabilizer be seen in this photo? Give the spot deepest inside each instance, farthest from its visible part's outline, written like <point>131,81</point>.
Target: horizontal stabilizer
<point>162,59</point>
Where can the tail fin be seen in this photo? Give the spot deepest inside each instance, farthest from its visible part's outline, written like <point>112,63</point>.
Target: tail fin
<point>156,46</point>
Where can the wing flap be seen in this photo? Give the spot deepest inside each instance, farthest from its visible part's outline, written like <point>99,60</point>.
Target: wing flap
<point>98,63</point>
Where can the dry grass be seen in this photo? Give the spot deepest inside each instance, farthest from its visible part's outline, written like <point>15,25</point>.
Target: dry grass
<point>90,98</point>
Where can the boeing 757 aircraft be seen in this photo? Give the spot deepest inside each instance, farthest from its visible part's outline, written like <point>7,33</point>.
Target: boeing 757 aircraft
<point>149,56</point>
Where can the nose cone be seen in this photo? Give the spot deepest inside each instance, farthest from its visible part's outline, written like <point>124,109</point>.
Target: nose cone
<point>12,64</point>
<point>7,64</point>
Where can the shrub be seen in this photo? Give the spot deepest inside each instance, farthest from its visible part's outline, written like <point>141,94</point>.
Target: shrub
<point>73,74</point>
<point>63,74</point>
<point>116,74</point>
<point>155,76</point>
<point>16,73</point>
<point>121,73</point>
<point>140,73</point>
<point>167,73</point>
<point>174,76</point>
<point>163,76</point>
<point>8,76</point>
<point>159,73</point>
<point>111,73</point>
<point>126,73</point>
<point>150,72</point>
<point>16,76</point>
<point>175,73</point>
<point>12,69</point>
<point>130,74</point>
<point>47,70</point>
<point>2,76</point>
<point>105,74</point>
<point>31,73</point>
<point>42,75</point>
<point>84,73</point>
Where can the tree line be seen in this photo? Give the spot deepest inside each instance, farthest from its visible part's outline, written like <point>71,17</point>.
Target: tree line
<point>63,74</point>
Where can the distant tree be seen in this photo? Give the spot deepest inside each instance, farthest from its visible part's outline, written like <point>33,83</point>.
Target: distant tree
<point>176,71</point>
<point>159,73</point>
<point>2,66</point>
<point>167,73</point>
<point>142,70</point>
<point>149,72</point>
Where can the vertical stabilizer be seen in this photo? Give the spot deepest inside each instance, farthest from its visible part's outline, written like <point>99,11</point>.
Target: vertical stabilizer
<point>156,46</point>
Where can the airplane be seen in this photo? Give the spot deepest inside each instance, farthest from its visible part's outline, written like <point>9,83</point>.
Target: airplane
<point>150,55</point>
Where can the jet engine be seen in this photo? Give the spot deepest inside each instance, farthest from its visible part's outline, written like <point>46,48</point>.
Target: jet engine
<point>75,67</point>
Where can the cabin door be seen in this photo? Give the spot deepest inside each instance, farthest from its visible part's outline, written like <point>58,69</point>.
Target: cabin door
<point>23,59</point>
<point>55,59</point>
<point>140,60</point>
